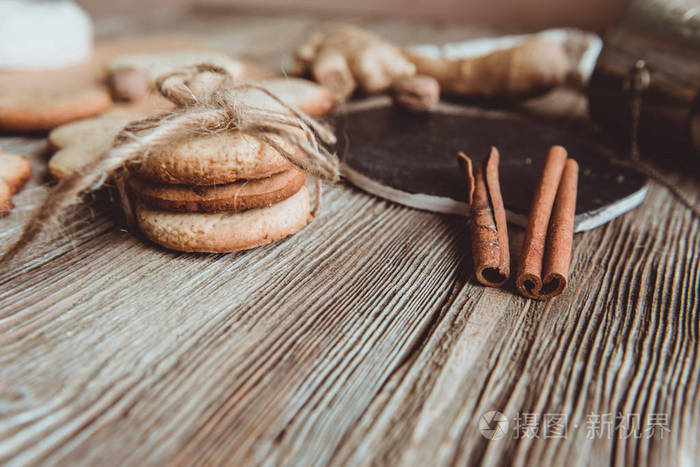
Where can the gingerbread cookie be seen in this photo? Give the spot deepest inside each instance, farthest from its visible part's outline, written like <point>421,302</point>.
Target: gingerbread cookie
<point>14,173</point>
<point>78,143</point>
<point>81,142</point>
<point>237,196</point>
<point>226,231</point>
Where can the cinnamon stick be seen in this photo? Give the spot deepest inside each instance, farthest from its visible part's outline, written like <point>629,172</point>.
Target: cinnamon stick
<point>546,253</point>
<point>488,221</point>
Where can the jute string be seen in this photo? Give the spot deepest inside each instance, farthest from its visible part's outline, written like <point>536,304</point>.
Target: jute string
<point>219,110</point>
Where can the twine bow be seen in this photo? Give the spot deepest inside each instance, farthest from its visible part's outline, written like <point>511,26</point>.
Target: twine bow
<point>200,112</point>
<point>202,109</point>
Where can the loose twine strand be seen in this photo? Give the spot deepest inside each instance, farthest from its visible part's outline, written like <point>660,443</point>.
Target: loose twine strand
<point>220,110</point>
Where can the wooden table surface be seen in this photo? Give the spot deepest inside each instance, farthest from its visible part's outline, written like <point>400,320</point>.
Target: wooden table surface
<point>363,339</point>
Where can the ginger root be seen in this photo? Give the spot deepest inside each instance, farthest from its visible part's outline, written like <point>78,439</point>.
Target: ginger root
<point>347,57</point>
<point>532,66</point>
<point>417,93</point>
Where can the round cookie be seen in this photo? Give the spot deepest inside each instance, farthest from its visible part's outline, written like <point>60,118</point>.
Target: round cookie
<point>227,231</point>
<point>36,105</point>
<point>214,160</point>
<point>156,64</point>
<point>310,97</point>
<point>237,196</point>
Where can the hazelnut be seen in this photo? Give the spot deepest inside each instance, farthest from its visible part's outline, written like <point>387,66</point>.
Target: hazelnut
<point>418,93</point>
<point>129,84</point>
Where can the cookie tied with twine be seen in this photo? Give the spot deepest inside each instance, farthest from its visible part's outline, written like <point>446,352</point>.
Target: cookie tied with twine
<point>208,103</point>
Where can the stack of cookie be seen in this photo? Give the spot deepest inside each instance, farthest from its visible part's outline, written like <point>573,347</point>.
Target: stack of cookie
<point>219,193</point>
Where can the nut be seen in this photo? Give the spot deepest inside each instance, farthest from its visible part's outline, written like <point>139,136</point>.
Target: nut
<point>418,93</point>
<point>129,84</point>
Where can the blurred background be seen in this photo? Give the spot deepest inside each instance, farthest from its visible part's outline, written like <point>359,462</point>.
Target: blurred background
<point>523,14</point>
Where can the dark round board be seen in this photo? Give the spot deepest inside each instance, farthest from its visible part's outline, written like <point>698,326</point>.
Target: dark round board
<point>410,159</point>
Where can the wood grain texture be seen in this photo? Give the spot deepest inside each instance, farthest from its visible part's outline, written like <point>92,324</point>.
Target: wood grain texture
<point>363,339</point>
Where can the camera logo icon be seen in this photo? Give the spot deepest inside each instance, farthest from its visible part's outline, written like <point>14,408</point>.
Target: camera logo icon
<point>493,425</point>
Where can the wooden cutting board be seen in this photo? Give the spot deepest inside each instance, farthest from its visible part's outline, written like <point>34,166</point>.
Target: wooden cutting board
<point>411,159</point>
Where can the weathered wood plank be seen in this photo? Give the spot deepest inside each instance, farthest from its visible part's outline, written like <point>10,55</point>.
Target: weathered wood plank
<point>628,344</point>
<point>325,313</point>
